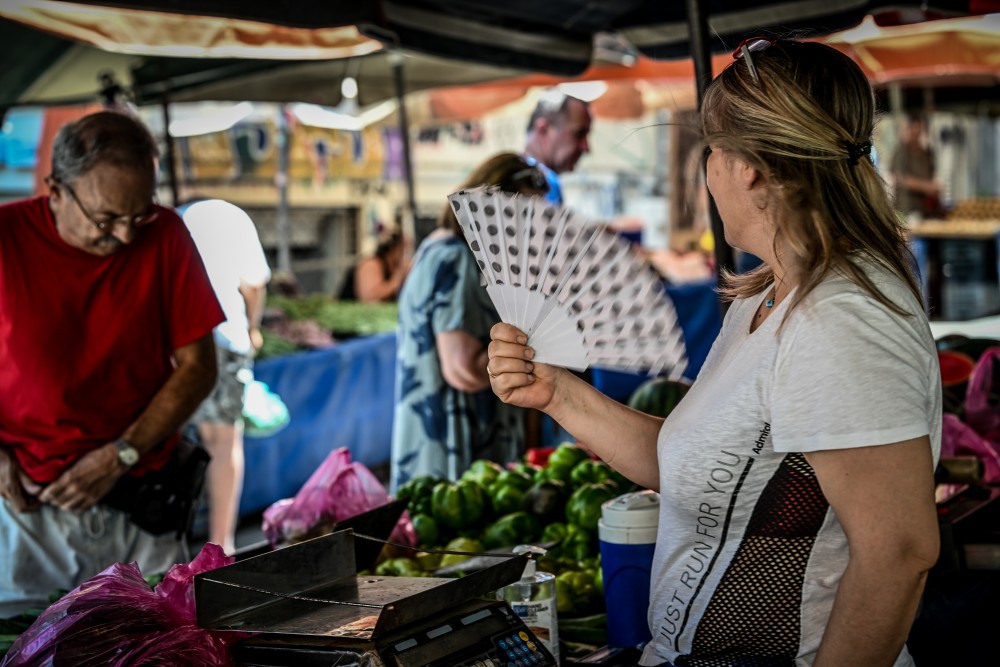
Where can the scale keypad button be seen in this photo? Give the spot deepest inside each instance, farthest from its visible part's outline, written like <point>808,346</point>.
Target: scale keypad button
<point>502,644</point>
<point>523,635</point>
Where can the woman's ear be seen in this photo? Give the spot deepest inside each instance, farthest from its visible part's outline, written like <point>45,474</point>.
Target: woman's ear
<point>747,175</point>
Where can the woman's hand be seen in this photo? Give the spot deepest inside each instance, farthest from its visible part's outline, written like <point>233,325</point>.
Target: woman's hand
<point>515,378</point>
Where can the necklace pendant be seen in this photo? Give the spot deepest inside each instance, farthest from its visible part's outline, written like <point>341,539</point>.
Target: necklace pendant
<point>769,303</point>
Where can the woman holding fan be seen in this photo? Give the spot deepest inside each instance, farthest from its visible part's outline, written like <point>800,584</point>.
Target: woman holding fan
<point>797,521</point>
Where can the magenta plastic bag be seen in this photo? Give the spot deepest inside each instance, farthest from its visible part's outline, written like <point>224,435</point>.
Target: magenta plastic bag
<point>982,396</point>
<point>960,439</point>
<point>339,489</point>
<point>115,620</point>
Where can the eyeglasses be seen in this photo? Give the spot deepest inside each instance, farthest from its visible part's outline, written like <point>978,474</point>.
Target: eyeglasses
<point>751,45</point>
<point>106,222</point>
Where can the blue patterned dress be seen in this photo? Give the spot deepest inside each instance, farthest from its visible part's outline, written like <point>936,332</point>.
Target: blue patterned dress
<point>439,430</point>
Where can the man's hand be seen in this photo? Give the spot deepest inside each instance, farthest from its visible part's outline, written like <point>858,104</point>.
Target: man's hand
<point>86,481</point>
<point>15,486</point>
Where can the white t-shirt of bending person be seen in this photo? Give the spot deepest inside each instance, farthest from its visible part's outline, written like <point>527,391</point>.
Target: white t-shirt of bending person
<point>230,248</point>
<point>749,554</point>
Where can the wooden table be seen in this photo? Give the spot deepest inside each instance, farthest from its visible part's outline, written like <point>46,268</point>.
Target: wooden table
<point>957,229</point>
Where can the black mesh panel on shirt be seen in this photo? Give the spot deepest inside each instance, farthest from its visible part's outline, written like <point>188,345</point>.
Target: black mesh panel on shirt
<point>753,617</point>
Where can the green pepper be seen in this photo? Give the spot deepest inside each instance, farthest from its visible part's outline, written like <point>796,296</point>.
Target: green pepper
<point>547,500</point>
<point>567,455</point>
<point>514,478</point>
<point>625,485</point>
<point>526,469</point>
<point>465,544</point>
<point>579,545</point>
<point>507,499</point>
<point>589,472</point>
<point>554,532</point>
<point>417,493</point>
<point>428,562</point>
<point>427,529</point>
<point>565,600</point>
<point>594,597</point>
<point>399,567</point>
<point>584,506</point>
<point>574,592</point>
<point>559,474</point>
<point>483,472</point>
<point>458,505</point>
<point>511,530</point>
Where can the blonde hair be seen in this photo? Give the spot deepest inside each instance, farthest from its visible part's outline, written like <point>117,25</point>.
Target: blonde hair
<point>512,172</point>
<point>800,123</point>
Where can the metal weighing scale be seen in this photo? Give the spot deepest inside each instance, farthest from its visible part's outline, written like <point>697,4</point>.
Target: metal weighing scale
<point>308,607</point>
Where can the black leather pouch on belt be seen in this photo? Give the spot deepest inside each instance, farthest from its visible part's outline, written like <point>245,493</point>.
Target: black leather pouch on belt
<point>164,500</point>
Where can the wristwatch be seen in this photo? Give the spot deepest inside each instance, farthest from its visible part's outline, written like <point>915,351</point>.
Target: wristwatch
<point>128,455</point>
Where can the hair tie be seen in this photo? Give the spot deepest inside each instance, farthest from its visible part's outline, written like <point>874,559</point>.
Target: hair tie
<point>855,151</point>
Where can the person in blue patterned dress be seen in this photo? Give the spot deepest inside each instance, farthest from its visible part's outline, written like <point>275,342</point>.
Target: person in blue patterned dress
<point>446,415</point>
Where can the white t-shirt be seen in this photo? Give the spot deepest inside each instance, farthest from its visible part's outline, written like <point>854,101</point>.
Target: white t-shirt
<point>230,248</point>
<point>749,555</point>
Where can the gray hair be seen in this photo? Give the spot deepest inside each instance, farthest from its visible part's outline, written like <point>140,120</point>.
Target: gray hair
<point>552,105</point>
<point>105,137</point>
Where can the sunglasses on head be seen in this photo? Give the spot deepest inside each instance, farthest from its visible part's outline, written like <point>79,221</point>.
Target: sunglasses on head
<point>749,46</point>
<point>532,177</point>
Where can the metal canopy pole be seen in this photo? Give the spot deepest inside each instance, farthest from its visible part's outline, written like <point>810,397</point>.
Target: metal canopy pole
<point>702,55</point>
<point>281,180</point>
<point>410,218</point>
<point>170,154</point>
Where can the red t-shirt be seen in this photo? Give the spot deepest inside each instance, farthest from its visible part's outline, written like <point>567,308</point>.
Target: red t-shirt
<point>87,341</point>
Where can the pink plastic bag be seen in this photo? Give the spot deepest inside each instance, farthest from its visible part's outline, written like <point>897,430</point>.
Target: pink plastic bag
<point>982,396</point>
<point>959,439</point>
<point>115,620</point>
<point>339,489</point>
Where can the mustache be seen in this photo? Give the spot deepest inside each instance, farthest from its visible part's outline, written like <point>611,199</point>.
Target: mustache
<point>109,240</point>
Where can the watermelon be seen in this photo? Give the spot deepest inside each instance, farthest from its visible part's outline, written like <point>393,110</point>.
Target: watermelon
<point>658,396</point>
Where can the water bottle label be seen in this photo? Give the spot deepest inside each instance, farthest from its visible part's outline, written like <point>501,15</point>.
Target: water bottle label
<point>540,617</point>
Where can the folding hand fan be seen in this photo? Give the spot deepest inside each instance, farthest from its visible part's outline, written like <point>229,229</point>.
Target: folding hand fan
<point>580,292</point>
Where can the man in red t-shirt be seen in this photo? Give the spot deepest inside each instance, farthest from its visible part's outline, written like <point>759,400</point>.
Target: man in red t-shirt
<point>106,318</point>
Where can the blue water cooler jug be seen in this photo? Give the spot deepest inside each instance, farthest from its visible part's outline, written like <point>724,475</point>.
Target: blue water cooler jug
<point>627,531</point>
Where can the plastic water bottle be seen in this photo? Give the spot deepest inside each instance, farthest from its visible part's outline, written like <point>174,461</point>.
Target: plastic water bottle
<point>533,599</point>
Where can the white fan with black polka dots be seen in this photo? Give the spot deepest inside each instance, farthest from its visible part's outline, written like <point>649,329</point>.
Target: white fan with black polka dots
<point>582,293</point>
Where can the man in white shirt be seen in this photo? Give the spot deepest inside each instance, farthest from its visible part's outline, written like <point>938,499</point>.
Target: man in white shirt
<point>231,250</point>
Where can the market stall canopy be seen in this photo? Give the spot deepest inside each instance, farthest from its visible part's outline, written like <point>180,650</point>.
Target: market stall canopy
<point>554,36</point>
<point>957,51</point>
<point>247,49</point>
<point>57,52</point>
<point>943,53</point>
